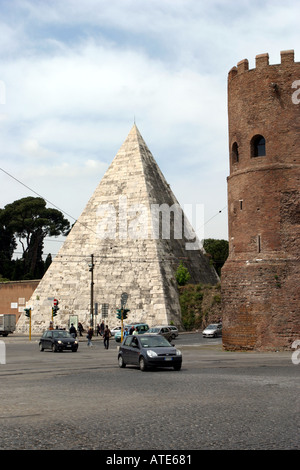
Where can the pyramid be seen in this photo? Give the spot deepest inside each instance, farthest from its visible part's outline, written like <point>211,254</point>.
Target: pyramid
<point>135,243</point>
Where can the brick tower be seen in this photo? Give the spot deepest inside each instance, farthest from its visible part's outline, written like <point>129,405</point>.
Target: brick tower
<point>260,280</point>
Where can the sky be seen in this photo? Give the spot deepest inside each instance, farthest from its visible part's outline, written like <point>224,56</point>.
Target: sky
<point>75,76</point>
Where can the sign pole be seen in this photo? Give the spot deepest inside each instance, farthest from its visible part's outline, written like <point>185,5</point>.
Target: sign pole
<point>30,325</point>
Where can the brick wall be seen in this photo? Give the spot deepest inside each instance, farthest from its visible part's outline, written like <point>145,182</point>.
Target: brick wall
<point>260,280</point>
<point>15,294</point>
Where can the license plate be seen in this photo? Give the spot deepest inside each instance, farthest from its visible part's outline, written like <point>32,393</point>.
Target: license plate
<point>168,358</point>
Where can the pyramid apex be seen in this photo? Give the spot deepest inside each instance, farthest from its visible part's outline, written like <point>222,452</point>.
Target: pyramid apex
<point>134,136</point>
<point>134,130</point>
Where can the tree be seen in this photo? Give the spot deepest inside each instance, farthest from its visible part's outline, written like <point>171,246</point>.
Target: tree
<point>182,275</point>
<point>30,222</point>
<point>7,246</point>
<point>218,251</point>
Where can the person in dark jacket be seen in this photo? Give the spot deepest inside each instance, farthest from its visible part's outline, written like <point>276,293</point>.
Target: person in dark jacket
<point>89,336</point>
<point>106,336</point>
<point>73,331</point>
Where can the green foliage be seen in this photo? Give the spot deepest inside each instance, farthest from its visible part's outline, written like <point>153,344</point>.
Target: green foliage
<point>218,252</point>
<point>28,221</point>
<point>182,275</point>
<point>199,303</point>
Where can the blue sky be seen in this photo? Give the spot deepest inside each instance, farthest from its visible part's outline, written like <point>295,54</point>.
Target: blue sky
<point>76,74</point>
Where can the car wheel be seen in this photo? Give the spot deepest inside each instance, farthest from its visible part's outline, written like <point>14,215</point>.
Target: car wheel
<point>41,347</point>
<point>143,366</point>
<point>121,362</point>
<point>74,349</point>
<point>177,367</point>
<point>54,348</point>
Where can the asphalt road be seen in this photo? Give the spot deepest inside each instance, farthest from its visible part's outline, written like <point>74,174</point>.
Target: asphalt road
<point>218,401</point>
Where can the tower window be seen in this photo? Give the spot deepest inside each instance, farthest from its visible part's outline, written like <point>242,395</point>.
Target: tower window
<point>258,243</point>
<point>235,153</point>
<point>258,146</point>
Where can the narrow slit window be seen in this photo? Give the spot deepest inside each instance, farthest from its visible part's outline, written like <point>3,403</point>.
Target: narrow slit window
<point>235,153</point>
<point>258,244</point>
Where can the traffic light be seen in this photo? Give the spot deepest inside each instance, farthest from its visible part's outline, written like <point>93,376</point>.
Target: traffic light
<point>125,311</point>
<point>27,312</point>
<point>119,313</point>
<point>55,307</point>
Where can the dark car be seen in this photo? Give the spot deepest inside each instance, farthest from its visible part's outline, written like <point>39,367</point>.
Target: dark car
<point>149,350</point>
<point>58,340</point>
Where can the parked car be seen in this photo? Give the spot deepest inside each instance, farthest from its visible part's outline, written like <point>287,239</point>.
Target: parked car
<point>148,350</point>
<point>174,330</point>
<point>58,340</point>
<point>115,330</point>
<point>140,327</point>
<point>162,330</point>
<point>212,331</point>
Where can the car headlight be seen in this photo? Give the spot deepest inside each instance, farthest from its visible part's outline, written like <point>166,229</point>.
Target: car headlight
<point>178,353</point>
<point>151,353</point>
<point>59,342</point>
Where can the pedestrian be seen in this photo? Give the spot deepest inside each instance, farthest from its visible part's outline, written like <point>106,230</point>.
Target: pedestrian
<point>73,331</point>
<point>131,330</point>
<point>80,329</point>
<point>135,331</point>
<point>102,328</point>
<point>89,336</point>
<point>126,332</point>
<point>98,329</point>
<point>106,336</point>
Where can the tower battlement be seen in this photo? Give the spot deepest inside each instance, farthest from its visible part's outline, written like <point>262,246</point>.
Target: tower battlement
<point>261,62</point>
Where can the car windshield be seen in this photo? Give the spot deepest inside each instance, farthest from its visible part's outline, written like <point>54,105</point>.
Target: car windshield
<point>154,342</point>
<point>212,327</point>
<point>61,334</point>
<point>153,330</point>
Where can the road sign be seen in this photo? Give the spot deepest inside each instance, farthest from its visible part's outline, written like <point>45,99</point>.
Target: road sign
<point>124,298</point>
<point>104,310</point>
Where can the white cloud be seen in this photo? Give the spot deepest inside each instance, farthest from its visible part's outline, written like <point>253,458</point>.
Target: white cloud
<point>76,75</point>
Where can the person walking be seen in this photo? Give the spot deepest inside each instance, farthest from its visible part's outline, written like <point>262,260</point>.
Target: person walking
<point>106,336</point>
<point>89,336</point>
<point>102,328</point>
<point>73,331</point>
<point>80,329</point>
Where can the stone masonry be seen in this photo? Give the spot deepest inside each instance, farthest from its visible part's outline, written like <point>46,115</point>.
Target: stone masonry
<point>130,253</point>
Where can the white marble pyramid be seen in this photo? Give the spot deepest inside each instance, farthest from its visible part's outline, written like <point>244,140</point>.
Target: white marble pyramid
<point>136,249</point>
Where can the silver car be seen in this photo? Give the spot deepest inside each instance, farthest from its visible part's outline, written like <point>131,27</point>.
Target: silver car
<point>161,330</point>
<point>212,331</point>
<point>174,330</point>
